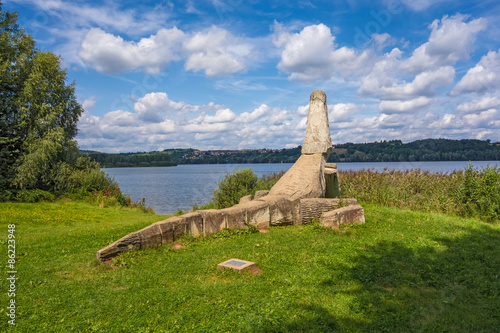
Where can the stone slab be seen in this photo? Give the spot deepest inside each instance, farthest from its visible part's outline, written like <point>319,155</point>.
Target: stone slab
<point>238,265</point>
<point>312,208</point>
<point>345,215</point>
<point>236,217</point>
<point>194,223</point>
<point>332,188</point>
<point>150,235</point>
<point>257,213</point>
<point>214,220</point>
<point>173,228</point>
<point>126,243</point>
<point>282,211</point>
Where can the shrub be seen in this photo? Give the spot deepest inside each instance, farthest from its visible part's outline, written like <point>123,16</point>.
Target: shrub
<point>34,195</point>
<point>233,187</point>
<point>266,182</point>
<point>238,184</point>
<point>479,194</point>
<point>87,177</point>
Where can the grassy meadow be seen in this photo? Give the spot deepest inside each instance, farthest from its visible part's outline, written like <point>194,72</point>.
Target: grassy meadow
<point>401,271</point>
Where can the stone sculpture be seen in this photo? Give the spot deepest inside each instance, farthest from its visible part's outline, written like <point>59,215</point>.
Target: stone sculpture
<point>308,191</point>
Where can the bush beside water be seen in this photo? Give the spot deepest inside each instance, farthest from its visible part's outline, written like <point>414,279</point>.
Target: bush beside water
<point>239,184</point>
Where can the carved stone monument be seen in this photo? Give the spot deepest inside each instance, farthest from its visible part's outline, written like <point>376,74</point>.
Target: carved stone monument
<point>309,189</point>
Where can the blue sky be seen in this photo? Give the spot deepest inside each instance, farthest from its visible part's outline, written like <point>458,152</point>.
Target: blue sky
<point>234,74</point>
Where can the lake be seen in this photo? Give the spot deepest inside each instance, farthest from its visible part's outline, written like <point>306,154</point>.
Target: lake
<point>169,189</point>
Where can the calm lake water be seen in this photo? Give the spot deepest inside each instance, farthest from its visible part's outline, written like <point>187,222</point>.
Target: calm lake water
<point>169,189</point>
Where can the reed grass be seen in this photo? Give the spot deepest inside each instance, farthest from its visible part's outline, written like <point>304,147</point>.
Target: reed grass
<point>473,192</point>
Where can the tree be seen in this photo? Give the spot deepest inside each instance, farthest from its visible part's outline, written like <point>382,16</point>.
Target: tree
<point>46,102</point>
<point>48,116</point>
<point>16,52</point>
<point>39,120</point>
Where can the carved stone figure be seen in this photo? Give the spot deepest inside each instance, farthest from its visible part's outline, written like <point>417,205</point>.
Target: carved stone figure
<point>306,192</point>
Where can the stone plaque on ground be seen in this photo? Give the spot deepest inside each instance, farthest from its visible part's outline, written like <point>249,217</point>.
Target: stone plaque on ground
<point>238,265</point>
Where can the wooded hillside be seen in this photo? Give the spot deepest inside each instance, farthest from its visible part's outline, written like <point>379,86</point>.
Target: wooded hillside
<point>385,151</point>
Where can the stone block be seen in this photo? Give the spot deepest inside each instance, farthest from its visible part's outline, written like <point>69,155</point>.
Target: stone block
<point>345,215</point>
<point>282,211</point>
<point>236,217</point>
<point>318,139</point>
<point>331,165</point>
<point>126,243</point>
<point>312,208</point>
<point>239,265</point>
<point>150,235</point>
<point>167,230</point>
<point>194,223</point>
<point>180,229</point>
<point>173,228</point>
<point>332,188</point>
<point>213,220</point>
<point>257,213</point>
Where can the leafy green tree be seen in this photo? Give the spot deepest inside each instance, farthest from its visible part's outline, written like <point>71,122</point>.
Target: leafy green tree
<point>38,122</point>
<point>48,116</point>
<point>16,53</point>
<point>46,102</point>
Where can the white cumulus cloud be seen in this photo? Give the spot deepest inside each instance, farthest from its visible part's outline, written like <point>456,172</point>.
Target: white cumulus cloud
<point>312,54</point>
<point>482,78</point>
<point>217,52</point>
<point>451,40</point>
<point>108,53</point>
<point>482,104</point>
<point>153,106</point>
<point>412,105</point>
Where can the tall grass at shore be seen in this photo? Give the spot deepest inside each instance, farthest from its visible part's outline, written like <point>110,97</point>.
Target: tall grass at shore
<point>470,193</point>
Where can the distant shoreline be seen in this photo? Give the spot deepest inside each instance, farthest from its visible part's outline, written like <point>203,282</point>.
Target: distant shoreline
<point>435,150</point>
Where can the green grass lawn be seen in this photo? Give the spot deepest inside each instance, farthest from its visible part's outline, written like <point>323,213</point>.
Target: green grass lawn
<point>401,271</point>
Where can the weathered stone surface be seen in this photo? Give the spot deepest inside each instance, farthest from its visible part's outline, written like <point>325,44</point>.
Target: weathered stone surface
<point>345,215</point>
<point>214,220</point>
<point>173,228</point>
<point>312,208</point>
<point>194,222</point>
<point>128,242</point>
<point>331,165</point>
<point>150,236</point>
<point>236,217</point>
<point>282,211</point>
<point>167,229</point>
<point>332,183</point>
<point>260,194</point>
<point>245,199</point>
<point>257,213</point>
<point>318,139</point>
<point>305,179</point>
